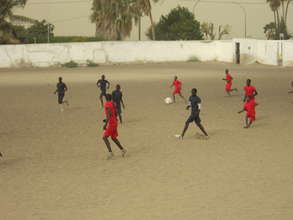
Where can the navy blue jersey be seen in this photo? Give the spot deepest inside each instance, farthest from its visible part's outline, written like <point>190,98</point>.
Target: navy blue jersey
<point>117,97</point>
<point>194,101</point>
<point>103,84</point>
<point>61,87</point>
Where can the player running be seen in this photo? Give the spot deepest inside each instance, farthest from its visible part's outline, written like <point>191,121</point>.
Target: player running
<point>249,90</point>
<point>177,89</point>
<point>110,127</point>
<point>228,80</point>
<point>195,103</point>
<point>249,107</point>
<point>103,84</point>
<point>117,99</point>
<point>61,89</point>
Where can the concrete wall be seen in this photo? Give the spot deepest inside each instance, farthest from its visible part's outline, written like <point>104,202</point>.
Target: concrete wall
<point>45,55</point>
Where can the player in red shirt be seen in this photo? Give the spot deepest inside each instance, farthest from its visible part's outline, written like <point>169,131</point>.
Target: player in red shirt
<point>228,80</point>
<point>249,90</point>
<point>249,107</point>
<point>177,88</point>
<point>110,127</point>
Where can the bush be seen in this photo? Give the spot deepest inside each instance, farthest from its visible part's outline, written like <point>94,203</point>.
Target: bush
<point>194,59</point>
<point>90,63</point>
<point>70,64</point>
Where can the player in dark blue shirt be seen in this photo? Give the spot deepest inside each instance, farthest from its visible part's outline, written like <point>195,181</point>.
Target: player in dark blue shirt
<point>103,84</point>
<point>60,90</point>
<point>195,103</point>
<point>118,100</point>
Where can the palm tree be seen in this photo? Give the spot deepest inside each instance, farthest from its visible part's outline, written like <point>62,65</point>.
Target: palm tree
<point>146,8</point>
<point>7,17</point>
<point>113,18</point>
<point>275,5</point>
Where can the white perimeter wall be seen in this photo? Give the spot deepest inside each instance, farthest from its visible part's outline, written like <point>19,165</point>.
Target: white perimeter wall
<point>45,55</point>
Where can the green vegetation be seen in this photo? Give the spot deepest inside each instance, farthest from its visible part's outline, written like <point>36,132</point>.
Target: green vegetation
<point>179,24</point>
<point>90,63</point>
<point>70,64</point>
<point>194,59</point>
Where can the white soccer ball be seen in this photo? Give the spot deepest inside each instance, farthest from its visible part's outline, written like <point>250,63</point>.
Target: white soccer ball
<point>168,100</point>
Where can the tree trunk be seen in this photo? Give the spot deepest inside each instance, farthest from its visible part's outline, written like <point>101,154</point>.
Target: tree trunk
<point>286,11</point>
<point>278,25</point>
<point>152,21</point>
<point>275,19</point>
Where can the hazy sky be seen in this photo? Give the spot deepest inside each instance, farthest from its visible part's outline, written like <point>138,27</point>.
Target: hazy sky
<point>71,17</point>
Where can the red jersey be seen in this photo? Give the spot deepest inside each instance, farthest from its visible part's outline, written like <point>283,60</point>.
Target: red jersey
<point>111,106</point>
<point>249,90</point>
<point>228,78</point>
<point>177,84</point>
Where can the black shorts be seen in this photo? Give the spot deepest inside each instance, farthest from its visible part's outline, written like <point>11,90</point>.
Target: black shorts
<point>193,118</point>
<point>118,108</point>
<point>103,93</point>
<point>60,97</point>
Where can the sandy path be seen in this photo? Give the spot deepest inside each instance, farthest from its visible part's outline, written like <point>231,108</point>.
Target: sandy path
<point>55,167</point>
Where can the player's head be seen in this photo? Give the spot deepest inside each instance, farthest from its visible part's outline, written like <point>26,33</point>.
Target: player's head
<point>194,91</point>
<point>175,77</point>
<point>118,87</point>
<point>60,79</point>
<point>108,97</point>
<point>226,71</point>
<point>248,82</point>
<point>103,77</point>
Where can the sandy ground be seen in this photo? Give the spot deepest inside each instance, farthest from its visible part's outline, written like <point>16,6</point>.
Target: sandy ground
<point>55,166</point>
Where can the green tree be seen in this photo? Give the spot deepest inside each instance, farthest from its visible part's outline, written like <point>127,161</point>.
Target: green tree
<point>179,24</point>
<point>210,33</point>
<point>7,18</point>
<point>114,18</point>
<point>270,30</point>
<point>39,31</point>
<point>280,9</point>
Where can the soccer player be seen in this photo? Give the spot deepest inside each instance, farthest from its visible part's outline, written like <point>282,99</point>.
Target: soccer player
<point>117,99</point>
<point>228,80</point>
<point>110,127</point>
<point>249,107</point>
<point>195,103</point>
<point>249,90</point>
<point>177,88</point>
<point>103,84</point>
<point>61,89</point>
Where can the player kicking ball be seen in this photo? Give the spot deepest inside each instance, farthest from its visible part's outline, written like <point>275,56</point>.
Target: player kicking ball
<point>103,84</point>
<point>110,127</point>
<point>195,103</point>
<point>61,89</point>
<point>249,107</point>
<point>249,90</point>
<point>229,80</point>
<point>177,89</point>
<point>118,100</point>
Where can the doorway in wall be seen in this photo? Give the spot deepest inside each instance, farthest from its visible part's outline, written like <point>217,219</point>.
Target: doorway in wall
<point>237,52</point>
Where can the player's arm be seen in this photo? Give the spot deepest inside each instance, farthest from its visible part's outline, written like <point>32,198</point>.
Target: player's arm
<point>172,85</point>
<point>243,110</point>
<point>65,87</point>
<point>56,89</point>
<point>108,83</point>
<point>255,93</point>
<point>98,83</point>
<point>122,101</point>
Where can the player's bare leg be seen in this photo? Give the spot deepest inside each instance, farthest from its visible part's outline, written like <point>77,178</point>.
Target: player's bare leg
<point>202,129</point>
<point>101,100</point>
<point>184,130</point>
<point>110,156</point>
<point>117,142</point>
<point>174,100</point>
<point>248,122</point>
<point>228,93</point>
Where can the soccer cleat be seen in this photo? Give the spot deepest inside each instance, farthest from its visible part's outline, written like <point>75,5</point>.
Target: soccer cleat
<point>124,151</point>
<point>110,156</point>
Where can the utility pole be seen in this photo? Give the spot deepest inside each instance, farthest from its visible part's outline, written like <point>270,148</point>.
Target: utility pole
<point>139,28</point>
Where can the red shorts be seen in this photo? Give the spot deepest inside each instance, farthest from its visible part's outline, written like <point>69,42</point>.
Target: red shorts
<point>177,91</point>
<point>228,87</point>
<point>111,131</point>
<point>251,117</point>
